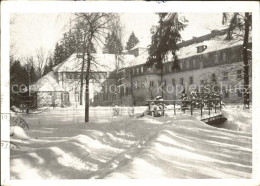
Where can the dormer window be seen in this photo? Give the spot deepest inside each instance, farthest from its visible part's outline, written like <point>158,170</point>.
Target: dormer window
<point>201,48</point>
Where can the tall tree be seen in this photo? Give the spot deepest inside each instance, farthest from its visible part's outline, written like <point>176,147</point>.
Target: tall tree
<point>33,75</point>
<point>132,41</point>
<point>164,40</point>
<point>240,25</point>
<point>92,28</point>
<point>113,44</point>
<point>42,57</point>
<point>59,54</point>
<point>18,78</point>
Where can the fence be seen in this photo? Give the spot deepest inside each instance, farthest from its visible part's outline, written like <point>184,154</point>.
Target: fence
<point>212,105</point>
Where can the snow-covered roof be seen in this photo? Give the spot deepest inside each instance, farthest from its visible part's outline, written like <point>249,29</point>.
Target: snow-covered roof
<point>141,59</point>
<point>100,63</point>
<point>213,44</point>
<point>46,83</point>
<point>143,43</point>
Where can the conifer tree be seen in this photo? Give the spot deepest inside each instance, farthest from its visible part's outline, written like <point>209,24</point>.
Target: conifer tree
<point>165,37</point>
<point>132,41</point>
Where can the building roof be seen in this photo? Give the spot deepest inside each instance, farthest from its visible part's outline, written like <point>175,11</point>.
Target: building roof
<point>214,41</point>
<point>138,60</point>
<point>100,63</point>
<point>145,41</point>
<point>213,44</point>
<point>46,83</point>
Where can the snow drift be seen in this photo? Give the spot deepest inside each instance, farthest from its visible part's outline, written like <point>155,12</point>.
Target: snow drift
<point>134,148</point>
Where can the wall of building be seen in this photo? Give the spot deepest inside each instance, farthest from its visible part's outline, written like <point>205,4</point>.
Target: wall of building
<point>195,70</point>
<point>48,99</point>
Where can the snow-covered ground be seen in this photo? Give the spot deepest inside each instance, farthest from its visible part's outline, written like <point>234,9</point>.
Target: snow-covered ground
<point>238,118</point>
<point>59,146</point>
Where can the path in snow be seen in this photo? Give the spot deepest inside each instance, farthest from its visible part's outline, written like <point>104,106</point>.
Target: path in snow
<point>131,148</point>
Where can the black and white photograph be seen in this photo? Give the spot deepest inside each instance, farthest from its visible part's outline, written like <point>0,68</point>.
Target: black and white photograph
<point>129,95</point>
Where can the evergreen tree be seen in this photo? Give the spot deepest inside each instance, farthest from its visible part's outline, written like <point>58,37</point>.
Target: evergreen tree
<point>59,54</point>
<point>33,75</point>
<point>68,43</point>
<point>132,41</point>
<point>164,40</point>
<point>113,44</point>
<point>18,78</point>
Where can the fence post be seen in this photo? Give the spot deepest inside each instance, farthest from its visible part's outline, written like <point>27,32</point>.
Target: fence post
<point>191,111</point>
<point>163,110</point>
<point>201,107</point>
<point>215,107</point>
<point>149,108</point>
<point>209,110</point>
<point>174,108</point>
<point>220,105</point>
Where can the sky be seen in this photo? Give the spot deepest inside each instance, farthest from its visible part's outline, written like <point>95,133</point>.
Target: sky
<point>30,32</point>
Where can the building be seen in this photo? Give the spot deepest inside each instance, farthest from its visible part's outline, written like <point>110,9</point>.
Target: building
<point>124,79</point>
<point>61,86</point>
<point>206,59</point>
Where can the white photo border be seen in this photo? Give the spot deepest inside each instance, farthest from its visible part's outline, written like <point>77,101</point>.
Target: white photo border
<point>139,7</point>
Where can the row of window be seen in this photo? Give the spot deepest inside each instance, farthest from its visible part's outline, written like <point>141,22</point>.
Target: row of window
<point>77,75</point>
<point>191,81</point>
<point>201,61</point>
<point>239,94</point>
<point>73,75</point>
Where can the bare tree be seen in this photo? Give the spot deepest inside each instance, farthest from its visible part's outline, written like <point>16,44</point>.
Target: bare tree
<point>42,58</point>
<point>91,29</point>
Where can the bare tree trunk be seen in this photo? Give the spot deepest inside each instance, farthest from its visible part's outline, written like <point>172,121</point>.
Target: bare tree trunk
<point>87,87</point>
<point>81,79</point>
<point>28,98</point>
<point>245,61</point>
<point>132,91</point>
<point>162,79</point>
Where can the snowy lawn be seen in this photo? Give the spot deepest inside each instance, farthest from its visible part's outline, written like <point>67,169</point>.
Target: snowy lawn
<point>59,146</point>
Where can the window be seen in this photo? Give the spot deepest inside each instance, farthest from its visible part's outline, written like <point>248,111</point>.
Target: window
<point>181,81</point>
<point>226,93</point>
<point>151,83</point>
<point>142,69</point>
<point>76,97</point>
<point>137,71</point>
<point>180,65</point>
<point>191,80</point>
<point>201,48</point>
<point>201,64</point>
<point>69,76</point>
<point>193,63</point>
<point>216,58</point>
<point>213,77</point>
<point>113,96</point>
<point>224,56</point>
<point>170,68</point>
<point>225,75</point>
<point>239,73</point>
<point>187,64</point>
<point>133,71</point>
<point>202,82</point>
<point>239,93</point>
<point>173,82</point>
<point>159,83</point>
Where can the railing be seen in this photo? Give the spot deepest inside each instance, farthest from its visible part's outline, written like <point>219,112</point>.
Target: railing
<point>204,104</point>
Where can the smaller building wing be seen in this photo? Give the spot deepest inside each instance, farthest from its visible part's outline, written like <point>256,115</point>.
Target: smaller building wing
<point>46,84</point>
